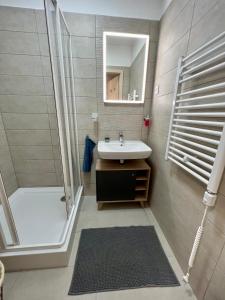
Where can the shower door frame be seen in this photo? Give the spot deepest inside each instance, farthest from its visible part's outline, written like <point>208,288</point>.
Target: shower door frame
<point>71,211</point>
<point>58,14</point>
<point>9,219</point>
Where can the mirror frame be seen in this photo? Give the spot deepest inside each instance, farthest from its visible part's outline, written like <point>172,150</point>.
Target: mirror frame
<point>131,35</point>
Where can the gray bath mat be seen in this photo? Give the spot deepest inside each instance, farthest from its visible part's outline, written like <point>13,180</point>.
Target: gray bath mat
<point>119,258</point>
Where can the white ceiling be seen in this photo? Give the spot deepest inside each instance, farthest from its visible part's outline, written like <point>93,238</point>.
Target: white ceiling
<point>141,9</point>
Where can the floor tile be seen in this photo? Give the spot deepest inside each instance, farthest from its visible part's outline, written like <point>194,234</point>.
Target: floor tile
<point>10,279</point>
<point>159,293</point>
<point>89,203</point>
<point>40,284</point>
<point>161,236</point>
<point>54,283</point>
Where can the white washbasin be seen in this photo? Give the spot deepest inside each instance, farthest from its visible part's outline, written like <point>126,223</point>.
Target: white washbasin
<point>127,150</point>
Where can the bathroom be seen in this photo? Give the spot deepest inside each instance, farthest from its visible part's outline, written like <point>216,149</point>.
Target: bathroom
<point>55,68</point>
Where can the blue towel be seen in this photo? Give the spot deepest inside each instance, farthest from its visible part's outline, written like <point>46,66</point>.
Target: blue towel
<point>88,154</point>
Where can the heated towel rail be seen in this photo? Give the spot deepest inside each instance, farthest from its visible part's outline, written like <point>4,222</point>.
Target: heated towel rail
<point>196,139</point>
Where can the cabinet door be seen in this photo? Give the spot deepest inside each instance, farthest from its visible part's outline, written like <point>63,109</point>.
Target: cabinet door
<point>115,185</point>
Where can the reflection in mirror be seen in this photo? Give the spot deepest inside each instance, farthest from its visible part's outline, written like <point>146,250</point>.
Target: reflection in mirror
<point>125,58</point>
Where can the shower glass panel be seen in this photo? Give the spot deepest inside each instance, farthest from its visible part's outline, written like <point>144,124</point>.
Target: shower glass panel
<point>55,47</point>
<point>70,97</point>
<point>8,230</point>
<point>60,47</point>
<point>42,154</point>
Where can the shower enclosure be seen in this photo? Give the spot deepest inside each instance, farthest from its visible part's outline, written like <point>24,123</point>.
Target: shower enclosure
<point>39,220</point>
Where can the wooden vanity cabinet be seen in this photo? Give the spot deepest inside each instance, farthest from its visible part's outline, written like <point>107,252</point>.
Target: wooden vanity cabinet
<point>125,182</point>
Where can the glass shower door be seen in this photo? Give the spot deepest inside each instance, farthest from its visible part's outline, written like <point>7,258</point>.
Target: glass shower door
<point>61,60</point>
<point>70,98</point>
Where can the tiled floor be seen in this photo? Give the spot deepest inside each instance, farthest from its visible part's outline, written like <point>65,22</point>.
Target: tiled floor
<point>54,283</point>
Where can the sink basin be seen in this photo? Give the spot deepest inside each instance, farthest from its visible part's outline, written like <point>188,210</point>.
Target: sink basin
<point>128,150</point>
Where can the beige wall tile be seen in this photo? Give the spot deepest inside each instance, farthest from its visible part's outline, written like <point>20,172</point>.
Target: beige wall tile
<point>178,27</point>
<point>17,19</point>
<point>48,86</point>
<point>51,104</point>
<point>37,180</point>
<point>29,137</point>
<point>40,21</point>
<point>81,24</point>
<point>84,121</point>
<point>6,165</point>
<point>207,259</point>
<point>119,109</point>
<point>166,82</point>
<point>85,87</point>
<point>21,85</point>
<point>84,68</point>
<point>53,121</point>
<point>86,105</point>
<point>202,7</point>
<point>169,59</point>
<point>1,123</point>
<point>10,184</point>
<point>15,42</point>
<point>174,9</point>
<point>26,100</point>
<point>31,152</point>
<point>120,122</point>
<point>214,17</point>
<point>154,30</point>
<point>25,121</point>
<point>46,66</point>
<point>55,137</point>
<point>216,289</point>
<point>216,214</point>
<point>83,47</point>
<point>34,166</point>
<point>22,90</point>
<point>176,197</point>
<point>105,23</point>
<point>23,104</point>
<point>43,44</point>
<point>11,64</point>
<point>3,139</point>
<point>56,152</point>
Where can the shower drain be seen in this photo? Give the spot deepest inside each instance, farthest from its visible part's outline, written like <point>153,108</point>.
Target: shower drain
<point>63,199</point>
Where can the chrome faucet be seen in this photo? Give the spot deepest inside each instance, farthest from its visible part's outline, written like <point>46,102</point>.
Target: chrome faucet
<point>121,138</point>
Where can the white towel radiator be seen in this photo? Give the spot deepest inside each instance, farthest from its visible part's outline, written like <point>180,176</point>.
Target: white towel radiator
<point>196,139</point>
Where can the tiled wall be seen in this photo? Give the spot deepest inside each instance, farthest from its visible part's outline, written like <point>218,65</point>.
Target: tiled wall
<point>26,93</point>
<point>6,164</point>
<point>176,196</point>
<point>26,98</point>
<point>87,31</point>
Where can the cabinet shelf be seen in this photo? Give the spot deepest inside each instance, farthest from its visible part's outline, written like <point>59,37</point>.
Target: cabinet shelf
<point>141,199</point>
<point>141,187</point>
<point>139,178</point>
